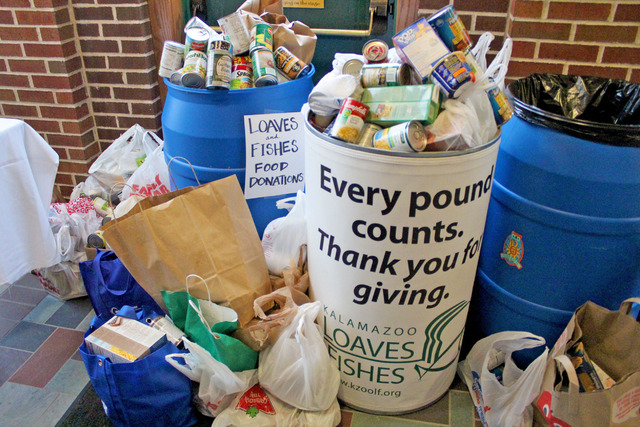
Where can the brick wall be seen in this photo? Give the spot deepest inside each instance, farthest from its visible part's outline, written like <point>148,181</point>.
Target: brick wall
<point>80,72</point>
<point>588,37</point>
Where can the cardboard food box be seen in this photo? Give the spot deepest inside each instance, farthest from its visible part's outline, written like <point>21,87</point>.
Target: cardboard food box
<point>398,104</point>
<point>420,46</point>
<point>124,340</point>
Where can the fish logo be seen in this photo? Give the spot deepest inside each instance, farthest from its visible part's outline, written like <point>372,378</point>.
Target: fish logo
<point>513,250</point>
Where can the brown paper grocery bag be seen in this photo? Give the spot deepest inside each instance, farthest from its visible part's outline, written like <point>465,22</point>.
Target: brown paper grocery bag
<point>206,230</point>
<point>611,340</point>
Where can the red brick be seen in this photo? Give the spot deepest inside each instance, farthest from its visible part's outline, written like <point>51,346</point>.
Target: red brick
<point>100,92</point>
<point>131,62</point>
<point>16,3</point>
<point>132,13</point>
<point>568,52</point>
<point>65,67</point>
<point>523,49</point>
<point>27,66</point>
<point>519,69</point>
<point>466,20</point>
<point>48,50</point>
<point>14,33</point>
<point>35,17</point>
<point>73,97</point>
<point>20,110</point>
<point>528,9</point>
<point>51,82</point>
<point>93,62</point>
<point>111,107</point>
<point>490,23</point>
<point>69,113</point>
<point>147,78</point>
<point>87,30</point>
<point>93,13</point>
<point>66,140</point>
<point>579,11</point>
<point>69,167</point>
<point>99,46</point>
<point>45,126</point>
<point>38,96</point>
<point>63,178</point>
<point>635,76</point>
<point>66,191</point>
<point>10,49</point>
<point>137,46</point>
<point>104,77</point>
<point>78,127</point>
<point>63,155</point>
<point>142,29</point>
<point>86,153</point>
<point>147,109</point>
<point>135,94</point>
<point>627,13</point>
<point>105,122</point>
<point>432,4</point>
<point>6,17</point>
<point>604,71</point>
<point>493,6</point>
<point>541,30</point>
<point>3,65</point>
<point>14,80</point>
<point>57,34</point>
<point>606,33</point>
<point>7,95</point>
<point>621,55</point>
<point>50,3</point>
<point>107,136</point>
<point>62,17</point>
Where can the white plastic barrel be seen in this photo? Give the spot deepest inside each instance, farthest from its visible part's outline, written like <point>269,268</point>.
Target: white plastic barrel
<point>393,246</point>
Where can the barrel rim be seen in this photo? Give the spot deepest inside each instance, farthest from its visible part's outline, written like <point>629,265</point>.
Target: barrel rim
<point>240,92</point>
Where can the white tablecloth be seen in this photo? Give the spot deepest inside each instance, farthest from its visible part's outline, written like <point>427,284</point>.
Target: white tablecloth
<point>28,167</point>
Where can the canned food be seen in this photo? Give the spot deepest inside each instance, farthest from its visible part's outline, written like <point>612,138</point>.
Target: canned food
<point>292,66</point>
<point>473,64</point>
<point>196,38</point>
<point>450,29</point>
<point>502,109</point>
<point>264,68</point>
<point>373,75</point>
<point>219,65</point>
<point>176,77</point>
<point>366,135</point>
<point>409,137</point>
<point>171,59</point>
<point>261,37</point>
<point>102,206</point>
<point>241,73</point>
<point>353,67</point>
<point>451,73</point>
<point>163,324</point>
<point>375,51</point>
<point>195,69</point>
<point>238,34</point>
<point>350,120</point>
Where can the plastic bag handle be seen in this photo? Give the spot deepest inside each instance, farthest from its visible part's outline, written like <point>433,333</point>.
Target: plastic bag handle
<point>65,228</point>
<point>154,138</point>
<point>499,65</point>
<point>481,48</point>
<point>171,175</point>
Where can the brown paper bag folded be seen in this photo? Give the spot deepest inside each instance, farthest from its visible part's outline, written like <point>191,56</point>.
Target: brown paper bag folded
<point>206,230</point>
<point>260,6</point>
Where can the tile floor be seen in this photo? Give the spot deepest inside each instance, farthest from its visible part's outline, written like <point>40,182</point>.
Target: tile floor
<point>42,374</point>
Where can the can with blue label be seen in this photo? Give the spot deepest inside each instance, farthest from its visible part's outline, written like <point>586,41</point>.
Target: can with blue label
<point>408,137</point>
<point>450,29</point>
<point>502,109</point>
<point>452,73</point>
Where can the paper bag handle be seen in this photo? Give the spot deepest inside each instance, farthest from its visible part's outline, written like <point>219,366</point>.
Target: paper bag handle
<point>171,175</point>
<point>563,363</point>
<point>630,306</point>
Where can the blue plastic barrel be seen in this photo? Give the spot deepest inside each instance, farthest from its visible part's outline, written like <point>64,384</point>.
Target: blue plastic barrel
<point>563,227</point>
<point>206,127</point>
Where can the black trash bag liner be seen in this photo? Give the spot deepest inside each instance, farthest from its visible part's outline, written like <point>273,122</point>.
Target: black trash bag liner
<point>592,108</point>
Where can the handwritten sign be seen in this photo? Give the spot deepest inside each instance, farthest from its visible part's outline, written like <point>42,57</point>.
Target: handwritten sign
<point>275,154</point>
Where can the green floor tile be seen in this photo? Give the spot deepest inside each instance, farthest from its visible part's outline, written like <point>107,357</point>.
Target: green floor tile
<point>70,379</point>
<point>44,310</point>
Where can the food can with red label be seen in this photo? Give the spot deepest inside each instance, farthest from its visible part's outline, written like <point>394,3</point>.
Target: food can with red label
<point>375,51</point>
<point>261,37</point>
<point>452,73</point>
<point>196,38</point>
<point>171,59</point>
<point>450,29</point>
<point>219,65</point>
<point>292,66</point>
<point>241,73</point>
<point>408,137</point>
<point>264,68</point>
<point>195,69</point>
<point>350,120</point>
<point>366,135</point>
<point>374,75</point>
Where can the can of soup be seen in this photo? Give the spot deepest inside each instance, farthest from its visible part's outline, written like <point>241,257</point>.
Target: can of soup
<point>408,137</point>
<point>375,51</point>
<point>367,133</point>
<point>350,120</point>
<point>292,66</point>
<point>373,75</point>
<point>176,77</point>
<point>171,58</point>
<point>241,73</point>
<point>451,73</point>
<point>261,37</point>
<point>353,67</point>
<point>450,29</point>
<point>502,109</point>
<point>196,38</point>
<point>264,68</point>
<point>195,69</point>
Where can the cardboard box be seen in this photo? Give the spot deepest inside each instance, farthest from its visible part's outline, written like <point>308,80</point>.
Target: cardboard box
<point>398,104</point>
<point>420,46</point>
<point>125,340</point>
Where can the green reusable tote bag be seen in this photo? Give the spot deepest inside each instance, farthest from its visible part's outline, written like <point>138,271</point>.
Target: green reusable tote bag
<point>209,324</point>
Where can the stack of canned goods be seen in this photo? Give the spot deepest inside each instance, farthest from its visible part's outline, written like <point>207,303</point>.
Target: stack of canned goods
<point>239,58</point>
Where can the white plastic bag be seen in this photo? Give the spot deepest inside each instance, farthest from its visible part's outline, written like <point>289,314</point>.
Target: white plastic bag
<point>152,177</point>
<point>481,48</point>
<point>506,403</point>
<point>284,236</point>
<point>297,368</point>
<point>62,280</point>
<point>218,385</point>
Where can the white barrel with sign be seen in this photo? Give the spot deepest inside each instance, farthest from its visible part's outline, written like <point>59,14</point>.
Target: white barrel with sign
<point>393,246</point>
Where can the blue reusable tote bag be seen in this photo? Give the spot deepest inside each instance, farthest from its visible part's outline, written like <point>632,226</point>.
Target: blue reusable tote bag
<point>148,392</point>
<point>110,286</point>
